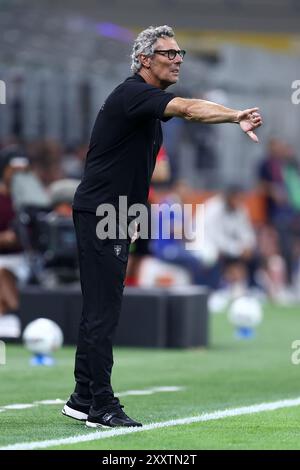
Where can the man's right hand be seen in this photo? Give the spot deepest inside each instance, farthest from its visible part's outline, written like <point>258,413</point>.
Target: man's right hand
<point>249,120</point>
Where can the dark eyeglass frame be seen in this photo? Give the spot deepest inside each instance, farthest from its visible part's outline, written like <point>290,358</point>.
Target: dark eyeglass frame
<point>170,53</point>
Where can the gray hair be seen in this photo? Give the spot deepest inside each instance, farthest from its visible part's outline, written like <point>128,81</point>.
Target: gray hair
<point>145,41</point>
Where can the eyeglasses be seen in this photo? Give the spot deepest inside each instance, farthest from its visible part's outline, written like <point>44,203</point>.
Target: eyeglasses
<point>170,53</point>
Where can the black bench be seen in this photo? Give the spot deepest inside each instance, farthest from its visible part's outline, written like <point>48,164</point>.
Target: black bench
<point>156,317</point>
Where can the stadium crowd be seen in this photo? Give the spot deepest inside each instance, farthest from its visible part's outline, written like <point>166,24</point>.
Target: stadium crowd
<point>236,253</point>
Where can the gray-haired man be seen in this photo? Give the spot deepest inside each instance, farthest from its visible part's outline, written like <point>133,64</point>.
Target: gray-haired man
<point>124,144</point>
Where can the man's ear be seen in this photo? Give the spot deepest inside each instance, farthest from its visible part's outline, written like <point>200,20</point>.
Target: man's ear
<point>145,61</point>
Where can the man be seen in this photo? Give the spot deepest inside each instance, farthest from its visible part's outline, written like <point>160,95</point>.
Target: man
<point>124,144</point>
<point>13,266</point>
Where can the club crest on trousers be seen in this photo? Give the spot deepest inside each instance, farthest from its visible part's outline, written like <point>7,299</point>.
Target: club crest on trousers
<point>117,249</point>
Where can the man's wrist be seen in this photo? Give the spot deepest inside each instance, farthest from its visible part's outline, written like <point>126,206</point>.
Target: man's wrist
<point>236,117</point>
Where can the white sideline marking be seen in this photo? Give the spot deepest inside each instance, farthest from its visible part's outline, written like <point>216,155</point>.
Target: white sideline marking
<point>58,401</point>
<point>167,389</point>
<point>134,392</point>
<point>215,415</point>
<point>150,391</point>
<point>18,406</point>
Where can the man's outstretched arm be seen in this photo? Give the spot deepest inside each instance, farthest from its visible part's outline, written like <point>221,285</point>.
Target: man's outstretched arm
<point>213,113</point>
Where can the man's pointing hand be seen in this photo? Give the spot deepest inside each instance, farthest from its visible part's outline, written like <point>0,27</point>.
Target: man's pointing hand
<point>250,119</point>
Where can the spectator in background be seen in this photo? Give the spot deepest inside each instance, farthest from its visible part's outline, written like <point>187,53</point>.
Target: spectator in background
<point>73,160</point>
<point>172,249</point>
<point>13,267</point>
<point>172,131</point>
<point>271,176</point>
<point>229,239</point>
<point>46,160</point>
<point>279,177</point>
<point>272,274</point>
<point>161,173</point>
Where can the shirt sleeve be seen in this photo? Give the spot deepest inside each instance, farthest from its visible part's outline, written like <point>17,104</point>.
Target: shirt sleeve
<point>142,100</point>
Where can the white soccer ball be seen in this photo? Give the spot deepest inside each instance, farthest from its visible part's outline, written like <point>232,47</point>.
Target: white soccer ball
<point>245,312</point>
<point>42,336</point>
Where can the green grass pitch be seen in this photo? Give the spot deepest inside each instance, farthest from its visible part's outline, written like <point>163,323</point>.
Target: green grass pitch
<point>230,374</point>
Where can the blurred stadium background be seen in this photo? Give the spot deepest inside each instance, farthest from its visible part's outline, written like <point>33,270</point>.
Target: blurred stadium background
<point>59,61</point>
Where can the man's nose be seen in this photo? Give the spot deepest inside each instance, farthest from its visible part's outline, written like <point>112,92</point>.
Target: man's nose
<point>178,59</point>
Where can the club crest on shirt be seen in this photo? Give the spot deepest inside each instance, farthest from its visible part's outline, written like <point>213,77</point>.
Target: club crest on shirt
<point>117,249</point>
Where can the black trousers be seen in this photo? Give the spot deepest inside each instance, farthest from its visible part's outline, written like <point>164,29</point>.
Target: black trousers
<point>102,266</point>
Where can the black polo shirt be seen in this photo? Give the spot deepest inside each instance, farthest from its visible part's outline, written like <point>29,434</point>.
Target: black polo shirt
<point>124,144</point>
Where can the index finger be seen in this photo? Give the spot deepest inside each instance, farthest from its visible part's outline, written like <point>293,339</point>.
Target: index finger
<point>251,110</point>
